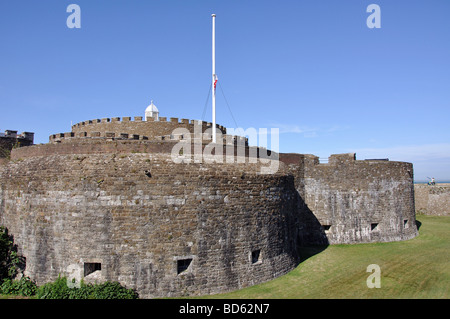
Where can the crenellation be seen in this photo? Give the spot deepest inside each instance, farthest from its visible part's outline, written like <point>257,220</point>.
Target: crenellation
<point>11,140</point>
<point>151,129</point>
<point>11,133</point>
<point>347,188</point>
<point>174,120</point>
<point>80,136</point>
<point>28,136</point>
<point>336,159</point>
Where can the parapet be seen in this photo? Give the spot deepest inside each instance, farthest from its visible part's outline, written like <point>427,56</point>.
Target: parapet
<point>150,129</point>
<point>346,158</point>
<point>139,120</point>
<point>11,140</point>
<point>56,138</point>
<point>204,137</point>
<point>28,136</point>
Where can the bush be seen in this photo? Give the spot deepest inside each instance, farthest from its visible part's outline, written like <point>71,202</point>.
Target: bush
<point>107,290</point>
<point>5,244</point>
<point>23,287</point>
<point>112,290</point>
<point>10,261</point>
<point>54,290</point>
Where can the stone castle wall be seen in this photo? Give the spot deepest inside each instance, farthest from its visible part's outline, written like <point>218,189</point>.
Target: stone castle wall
<point>93,146</point>
<point>358,201</point>
<point>149,129</point>
<point>138,216</point>
<point>432,199</point>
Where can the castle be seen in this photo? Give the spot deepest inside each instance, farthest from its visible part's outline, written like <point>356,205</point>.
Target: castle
<point>106,201</point>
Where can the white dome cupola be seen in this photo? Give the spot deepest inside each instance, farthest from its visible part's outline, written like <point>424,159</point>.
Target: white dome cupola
<point>152,111</point>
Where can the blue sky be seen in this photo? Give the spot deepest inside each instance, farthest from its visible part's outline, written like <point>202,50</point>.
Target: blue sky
<point>313,69</point>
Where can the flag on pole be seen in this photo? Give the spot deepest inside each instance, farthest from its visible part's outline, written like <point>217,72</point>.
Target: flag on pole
<point>215,80</point>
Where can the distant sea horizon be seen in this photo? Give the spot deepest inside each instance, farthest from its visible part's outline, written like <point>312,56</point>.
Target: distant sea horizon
<point>437,182</point>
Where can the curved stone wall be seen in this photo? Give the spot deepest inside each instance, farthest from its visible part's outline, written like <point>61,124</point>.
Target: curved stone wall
<point>162,228</point>
<point>358,201</point>
<point>150,129</point>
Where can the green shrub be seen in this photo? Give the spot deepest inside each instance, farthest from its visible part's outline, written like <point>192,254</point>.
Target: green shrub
<point>23,287</point>
<point>112,290</point>
<point>5,244</point>
<point>107,290</point>
<point>10,261</point>
<point>57,289</point>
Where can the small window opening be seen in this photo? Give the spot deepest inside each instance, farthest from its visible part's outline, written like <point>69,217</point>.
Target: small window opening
<point>405,223</point>
<point>183,265</point>
<point>89,268</point>
<point>374,226</point>
<point>256,254</point>
<point>326,227</point>
<point>148,174</point>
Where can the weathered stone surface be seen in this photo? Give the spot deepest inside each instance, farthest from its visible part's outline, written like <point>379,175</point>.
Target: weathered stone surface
<point>358,201</point>
<point>151,129</point>
<point>103,208</point>
<point>432,199</point>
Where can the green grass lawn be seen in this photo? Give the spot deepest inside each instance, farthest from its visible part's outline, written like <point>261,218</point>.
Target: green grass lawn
<point>416,268</point>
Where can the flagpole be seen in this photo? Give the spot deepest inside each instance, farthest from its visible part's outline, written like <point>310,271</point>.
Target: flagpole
<point>213,78</point>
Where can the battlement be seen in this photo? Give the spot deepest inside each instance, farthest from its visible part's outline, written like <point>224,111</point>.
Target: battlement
<point>205,137</point>
<point>117,128</point>
<point>28,136</point>
<point>344,159</point>
<point>139,120</point>
<point>10,139</point>
<point>56,138</point>
<point>151,129</point>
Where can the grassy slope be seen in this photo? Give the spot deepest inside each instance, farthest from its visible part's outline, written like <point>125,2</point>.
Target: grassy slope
<point>417,268</point>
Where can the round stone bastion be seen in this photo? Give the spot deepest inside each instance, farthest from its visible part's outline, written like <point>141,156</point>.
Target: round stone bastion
<point>123,210</point>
